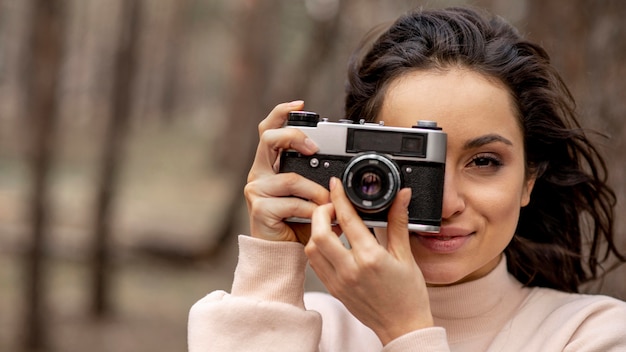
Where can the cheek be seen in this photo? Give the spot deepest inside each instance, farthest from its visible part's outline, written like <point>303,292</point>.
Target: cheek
<point>499,206</point>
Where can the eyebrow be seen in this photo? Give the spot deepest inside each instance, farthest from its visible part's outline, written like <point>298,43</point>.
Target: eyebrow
<point>486,139</point>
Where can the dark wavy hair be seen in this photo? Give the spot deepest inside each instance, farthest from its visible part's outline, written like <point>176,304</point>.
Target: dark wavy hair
<point>565,233</point>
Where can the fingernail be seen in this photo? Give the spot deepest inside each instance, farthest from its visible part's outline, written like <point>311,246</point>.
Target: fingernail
<point>333,183</point>
<point>296,103</point>
<point>311,145</point>
<point>407,199</point>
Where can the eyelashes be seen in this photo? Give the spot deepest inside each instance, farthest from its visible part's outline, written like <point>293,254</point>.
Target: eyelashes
<point>482,161</point>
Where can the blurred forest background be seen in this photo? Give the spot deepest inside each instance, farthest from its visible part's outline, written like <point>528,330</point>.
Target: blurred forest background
<point>127,128</point>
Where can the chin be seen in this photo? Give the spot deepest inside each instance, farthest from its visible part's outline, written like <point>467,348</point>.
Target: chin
<point>443,274</point>
<point>447,271</point>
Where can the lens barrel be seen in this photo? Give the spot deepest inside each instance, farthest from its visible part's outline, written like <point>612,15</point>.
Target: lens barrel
<point>371,181</point>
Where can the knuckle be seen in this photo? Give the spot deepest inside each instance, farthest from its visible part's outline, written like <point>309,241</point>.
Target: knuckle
<point>321,240</point>
<point>264,125</point>
<point>320,195</point>
<point>311,248</point>
<point>370,262</point>
<point>282,138</point>
<point>258,207</point>
<point>302,208</point>
<point>346,219</point>
<point>249,190</point>
<point>265,135</point>
<point>255,208</point>
<point>251,177</point>
<point>290,179</point>
<point>348,277</point>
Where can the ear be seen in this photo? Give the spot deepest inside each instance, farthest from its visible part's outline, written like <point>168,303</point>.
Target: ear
<point>528,188</point>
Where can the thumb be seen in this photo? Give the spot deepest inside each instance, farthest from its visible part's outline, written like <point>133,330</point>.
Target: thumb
<point>398,225</point>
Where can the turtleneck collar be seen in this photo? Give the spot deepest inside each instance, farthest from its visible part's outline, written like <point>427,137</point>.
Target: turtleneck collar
<point>477,307</point>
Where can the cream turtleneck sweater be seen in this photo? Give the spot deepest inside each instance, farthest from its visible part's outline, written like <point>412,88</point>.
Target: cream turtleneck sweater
<point>268,311</point>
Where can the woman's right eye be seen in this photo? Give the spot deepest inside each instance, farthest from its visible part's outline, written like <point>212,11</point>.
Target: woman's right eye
<point>485,161</point>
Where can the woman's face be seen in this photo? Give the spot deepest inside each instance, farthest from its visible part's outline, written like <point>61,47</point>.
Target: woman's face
<point>485,180</point>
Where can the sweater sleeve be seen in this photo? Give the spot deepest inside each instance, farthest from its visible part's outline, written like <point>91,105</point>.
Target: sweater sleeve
<point>265,310</point>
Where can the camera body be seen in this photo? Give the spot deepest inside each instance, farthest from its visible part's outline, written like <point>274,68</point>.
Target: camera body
<point>374,162</point>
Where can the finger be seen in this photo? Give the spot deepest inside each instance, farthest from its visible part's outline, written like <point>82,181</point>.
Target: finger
<point>355,230</point>
<point>326,242</point>
<point>324,270</point>
<point>272,211</point>
<point>397,226</point>
<point>287,184</point>
<point>265,159</point>
<point>279,115</point>
<point>272,143</point>
<point>322,267</point>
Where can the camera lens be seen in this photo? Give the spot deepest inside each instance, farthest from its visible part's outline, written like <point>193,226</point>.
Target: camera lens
<point>370,184</point>
<point>371,181</point>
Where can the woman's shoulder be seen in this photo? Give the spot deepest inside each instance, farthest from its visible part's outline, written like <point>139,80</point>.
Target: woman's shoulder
<point>555,301</point>
<point>571,319</point>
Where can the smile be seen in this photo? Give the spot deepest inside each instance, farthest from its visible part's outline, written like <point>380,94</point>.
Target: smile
<point>442,243</point>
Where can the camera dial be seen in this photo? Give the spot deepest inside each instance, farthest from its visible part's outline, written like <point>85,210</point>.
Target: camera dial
<point>426,124</point>
<point>303,118</point>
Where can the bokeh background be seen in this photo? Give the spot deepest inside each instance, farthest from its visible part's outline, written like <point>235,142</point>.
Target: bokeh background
<point>127,128</point>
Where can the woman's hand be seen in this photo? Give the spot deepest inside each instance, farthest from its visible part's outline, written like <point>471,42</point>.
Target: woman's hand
<point>272,197</point>
<point>383,288</point>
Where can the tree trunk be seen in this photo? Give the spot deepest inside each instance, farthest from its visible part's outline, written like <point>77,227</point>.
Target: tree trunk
<point>175,39</point>
<point>45,52</point>
<point>250,70</point>
<point>252,96</point>
<point>115,139</point>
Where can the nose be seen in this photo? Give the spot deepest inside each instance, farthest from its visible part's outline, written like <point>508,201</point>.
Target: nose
<point>453,199</point>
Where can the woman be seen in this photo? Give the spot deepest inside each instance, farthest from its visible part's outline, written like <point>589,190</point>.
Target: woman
<point>524,188</point>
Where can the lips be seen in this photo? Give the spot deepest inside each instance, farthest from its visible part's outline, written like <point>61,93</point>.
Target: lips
<point>448,240</point>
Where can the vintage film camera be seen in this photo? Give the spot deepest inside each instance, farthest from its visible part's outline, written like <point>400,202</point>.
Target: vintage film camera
<point>374,162</point>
